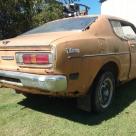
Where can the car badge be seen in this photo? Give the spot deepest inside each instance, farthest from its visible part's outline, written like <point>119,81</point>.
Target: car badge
<point>7,57</point>
<point>72,51</point>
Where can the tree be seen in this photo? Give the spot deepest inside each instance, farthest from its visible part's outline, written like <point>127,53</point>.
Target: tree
<point>18,16</point>
<point>52,10</point>
<point>70,1</point>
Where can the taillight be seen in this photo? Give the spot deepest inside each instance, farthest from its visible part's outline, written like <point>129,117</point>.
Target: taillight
<point>34,58</point>
<point>42,59</point>
<point>26,59</point>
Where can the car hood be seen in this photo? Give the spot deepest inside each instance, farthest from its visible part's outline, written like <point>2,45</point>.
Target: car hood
<point>36,39</point>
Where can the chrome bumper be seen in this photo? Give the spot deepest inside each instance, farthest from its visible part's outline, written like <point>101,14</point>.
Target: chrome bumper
<point>53,83</point>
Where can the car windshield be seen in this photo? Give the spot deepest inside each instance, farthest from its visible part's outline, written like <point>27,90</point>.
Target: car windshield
<point>69,24</point>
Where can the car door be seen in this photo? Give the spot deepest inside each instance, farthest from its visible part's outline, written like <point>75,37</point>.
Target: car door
<point>130,35</point>
<point>127,32</point>
<point>121,47</point>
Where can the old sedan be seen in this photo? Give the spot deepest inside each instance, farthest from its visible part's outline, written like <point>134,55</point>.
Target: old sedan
<point>83,57</point>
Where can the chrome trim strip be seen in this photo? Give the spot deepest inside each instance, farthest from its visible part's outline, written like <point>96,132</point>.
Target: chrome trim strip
<point>52,83</point>
<point>35,66</point>
<point>106,54</point>
<point>95,55</point>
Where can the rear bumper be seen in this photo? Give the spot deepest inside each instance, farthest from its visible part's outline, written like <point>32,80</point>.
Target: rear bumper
<point>52,83</point>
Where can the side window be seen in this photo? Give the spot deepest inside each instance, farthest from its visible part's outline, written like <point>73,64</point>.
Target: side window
<point>124,30</point>
<point>116,25</point>
<point>129,32</point>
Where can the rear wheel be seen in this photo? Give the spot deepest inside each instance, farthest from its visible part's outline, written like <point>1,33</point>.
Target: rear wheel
<point>103,91</point>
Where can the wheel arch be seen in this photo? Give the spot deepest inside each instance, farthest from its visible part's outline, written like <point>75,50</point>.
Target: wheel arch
<point>110,65</point>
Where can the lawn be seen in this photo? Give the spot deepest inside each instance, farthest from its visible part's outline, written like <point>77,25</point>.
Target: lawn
<point>45,116</point>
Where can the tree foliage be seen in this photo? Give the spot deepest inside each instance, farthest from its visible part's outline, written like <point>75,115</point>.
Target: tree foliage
<point>18,16</point>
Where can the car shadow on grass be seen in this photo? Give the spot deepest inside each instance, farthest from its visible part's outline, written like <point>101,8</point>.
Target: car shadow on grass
<point>66,108</point>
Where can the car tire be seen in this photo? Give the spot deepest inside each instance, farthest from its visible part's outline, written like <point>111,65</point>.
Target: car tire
<point>103,91</point>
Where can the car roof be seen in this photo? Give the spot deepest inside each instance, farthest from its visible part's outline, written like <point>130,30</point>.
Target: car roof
<point>103,16</point>
<point>97,15</point>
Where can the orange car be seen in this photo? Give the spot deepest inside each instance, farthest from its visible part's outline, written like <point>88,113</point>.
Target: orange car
<point>83,57</point>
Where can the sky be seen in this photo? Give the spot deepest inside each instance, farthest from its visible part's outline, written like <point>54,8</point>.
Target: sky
<point>94,4</point>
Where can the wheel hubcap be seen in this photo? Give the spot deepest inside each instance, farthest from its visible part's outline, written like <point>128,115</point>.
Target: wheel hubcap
<point>106,91</point>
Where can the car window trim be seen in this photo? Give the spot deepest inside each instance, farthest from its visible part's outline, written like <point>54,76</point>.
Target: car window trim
<point>122,21</point>
<point>88,25</point>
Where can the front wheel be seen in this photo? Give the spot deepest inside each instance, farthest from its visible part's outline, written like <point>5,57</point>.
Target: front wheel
<point>103,91</point>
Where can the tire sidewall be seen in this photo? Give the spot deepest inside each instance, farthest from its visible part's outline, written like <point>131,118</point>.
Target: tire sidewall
<point>95,97</point>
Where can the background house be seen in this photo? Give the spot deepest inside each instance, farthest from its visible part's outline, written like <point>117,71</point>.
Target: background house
<point>121,8</point>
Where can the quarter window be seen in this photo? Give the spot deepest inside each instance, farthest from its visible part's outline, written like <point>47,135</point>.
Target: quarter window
<point>117,28</point>
<point>129,32</point>
<point>124,30</point>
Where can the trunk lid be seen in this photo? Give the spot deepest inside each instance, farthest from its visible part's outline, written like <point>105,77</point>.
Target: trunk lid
<point>26,43</point>
<point>41,39</point>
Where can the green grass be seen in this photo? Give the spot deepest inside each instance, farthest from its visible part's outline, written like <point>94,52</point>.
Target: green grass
<point>59,117</point>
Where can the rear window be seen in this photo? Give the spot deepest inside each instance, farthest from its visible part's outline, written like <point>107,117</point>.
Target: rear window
<point>69,24</point>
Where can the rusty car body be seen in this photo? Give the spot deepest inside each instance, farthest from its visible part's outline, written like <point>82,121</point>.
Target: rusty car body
<point>83,57</point>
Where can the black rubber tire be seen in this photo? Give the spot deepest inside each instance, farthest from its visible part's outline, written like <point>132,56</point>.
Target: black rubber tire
<point>102,91</point>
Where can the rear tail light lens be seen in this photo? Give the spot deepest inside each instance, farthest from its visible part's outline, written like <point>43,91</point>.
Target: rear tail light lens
<point>42,59</point>
<point>34,58</point>
<point>26,59</point>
